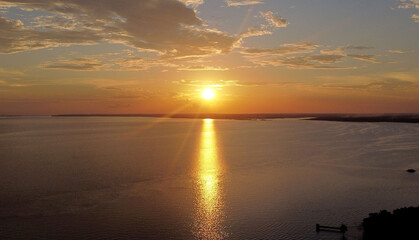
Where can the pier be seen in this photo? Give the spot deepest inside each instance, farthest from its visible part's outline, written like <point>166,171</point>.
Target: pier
<point>341,229</point>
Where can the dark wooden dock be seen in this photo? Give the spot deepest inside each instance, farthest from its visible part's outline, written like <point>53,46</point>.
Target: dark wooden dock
<point>341,229</point>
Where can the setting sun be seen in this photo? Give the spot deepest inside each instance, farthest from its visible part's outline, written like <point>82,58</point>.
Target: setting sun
<point>208,93</point>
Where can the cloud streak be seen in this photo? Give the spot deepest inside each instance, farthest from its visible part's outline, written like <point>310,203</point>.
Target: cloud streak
<point>383,84</point>
<point>284,49</point>
<point>365,58</point>
<point>237,3</point>
<point>310,60</point>
<point>77,64</point>
<point>202,68</point>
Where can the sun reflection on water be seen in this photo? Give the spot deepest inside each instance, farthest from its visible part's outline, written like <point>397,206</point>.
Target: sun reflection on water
<point>209,222</point>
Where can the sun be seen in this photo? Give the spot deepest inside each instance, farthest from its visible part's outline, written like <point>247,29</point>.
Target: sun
<point>208,94</point>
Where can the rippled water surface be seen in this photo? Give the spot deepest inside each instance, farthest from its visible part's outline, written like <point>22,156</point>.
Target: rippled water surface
<point>150,178</point>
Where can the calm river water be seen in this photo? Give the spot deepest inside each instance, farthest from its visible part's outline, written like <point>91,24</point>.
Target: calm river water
<point>156,178</point>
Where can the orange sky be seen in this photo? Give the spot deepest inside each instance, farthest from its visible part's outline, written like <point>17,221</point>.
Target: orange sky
<point>259,56</point>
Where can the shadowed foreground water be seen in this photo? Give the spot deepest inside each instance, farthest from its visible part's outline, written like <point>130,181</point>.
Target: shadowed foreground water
<point>151,178</point>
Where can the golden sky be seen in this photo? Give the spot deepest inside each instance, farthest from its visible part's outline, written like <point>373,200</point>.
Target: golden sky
<point>257,56</point>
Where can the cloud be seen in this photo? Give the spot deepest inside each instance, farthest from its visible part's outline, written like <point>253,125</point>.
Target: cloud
<point>284,49</point>
<point>383,84</point>
<point>46,23</point>
<point>358,47</point>
<point>302,62</point>
<point>77,64</point>
<point>309,62</point>
<point>193,3</point>
<point>230,83</point>
<point>405,4</point>
<point>365,58</point>
<point>202,68</point>
<point>273,56</point>
<point>339,51</point>
<point>326,59</point>
<point>10,73</point>
<point>182,64</point>
<point>265,29</point>
<point>11,78</point>
<point>137,63</point>
<point>15,38</point>
<point>397,51</point>
<point>237,3</point>
<point>311,58</point>
<point>256,31</point>
<point>273,20</point>
<point>361,57</point>
<point>166,26</point>
<point>124,61</point>
<point>409,4</point>
<point>389,84</point>
<point>213,83</point>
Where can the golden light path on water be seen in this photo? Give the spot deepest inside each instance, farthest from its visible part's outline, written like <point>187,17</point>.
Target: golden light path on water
<point>209,218</point>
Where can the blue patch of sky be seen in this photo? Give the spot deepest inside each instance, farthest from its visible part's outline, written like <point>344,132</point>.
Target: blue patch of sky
<point>26,16</point>
<point>327,22</point>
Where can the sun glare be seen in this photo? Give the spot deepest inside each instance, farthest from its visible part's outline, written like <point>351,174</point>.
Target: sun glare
<point>208,94</point>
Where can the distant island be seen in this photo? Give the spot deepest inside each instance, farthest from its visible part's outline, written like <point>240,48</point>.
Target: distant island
<point>403,118</point>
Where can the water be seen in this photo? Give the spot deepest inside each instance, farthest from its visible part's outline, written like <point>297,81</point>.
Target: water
<point>150,178</point>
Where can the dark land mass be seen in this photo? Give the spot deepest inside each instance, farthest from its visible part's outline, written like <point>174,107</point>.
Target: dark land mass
<point>256,116</point>
<point>404,118</point>
<point>403,223</point>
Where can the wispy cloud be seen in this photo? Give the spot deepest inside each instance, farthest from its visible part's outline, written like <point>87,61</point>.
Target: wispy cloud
<point>312,62</point>
<point>397,51</point>
<point>237,3</point>
<point>358,47</point>
<point>136,63</point>
<point>77,64</point>
<point>383,84</point>
<point>8,73</point>
<point>202,68</point>
<point>326,58</point>
<point>365,58</point>
<point>338,50</point>
<point>310,59</point>
<point>274,20</point>
<point>284,49</point>
<point>256,31</point>
<point>213,83</point>
<point>231,83</point>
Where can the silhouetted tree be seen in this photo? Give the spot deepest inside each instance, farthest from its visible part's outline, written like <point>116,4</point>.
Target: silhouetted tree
<point>402,224</point>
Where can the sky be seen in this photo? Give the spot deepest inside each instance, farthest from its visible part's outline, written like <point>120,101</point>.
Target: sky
<point>258,56</point>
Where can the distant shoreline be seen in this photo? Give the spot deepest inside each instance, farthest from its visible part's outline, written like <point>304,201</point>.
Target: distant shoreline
<point>402,118</point>
<point>360,118</point>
